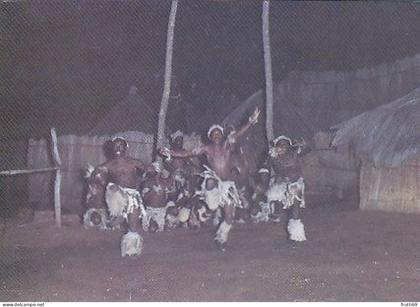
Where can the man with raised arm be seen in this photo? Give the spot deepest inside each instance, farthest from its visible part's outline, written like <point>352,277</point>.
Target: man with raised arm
<point>219,190</point>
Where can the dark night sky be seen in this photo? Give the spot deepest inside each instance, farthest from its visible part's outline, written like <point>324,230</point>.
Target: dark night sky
<point>66,63</point>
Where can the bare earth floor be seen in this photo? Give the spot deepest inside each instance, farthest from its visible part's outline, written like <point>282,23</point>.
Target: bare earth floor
<point>350,255</point>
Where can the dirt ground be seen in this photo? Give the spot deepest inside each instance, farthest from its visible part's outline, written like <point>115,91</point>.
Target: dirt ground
<point>350,255</point>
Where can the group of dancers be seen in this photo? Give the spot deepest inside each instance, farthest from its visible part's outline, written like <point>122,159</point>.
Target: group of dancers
<point>210,184</point>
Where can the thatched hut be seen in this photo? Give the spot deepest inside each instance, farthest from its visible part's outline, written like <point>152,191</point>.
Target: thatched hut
<point>133,118</point>
<point>306,104</point>
<point>386,140</point>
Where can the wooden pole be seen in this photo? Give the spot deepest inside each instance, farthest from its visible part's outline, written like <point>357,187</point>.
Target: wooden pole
<point>27,171</point>
<point>57,182</point>
<point>268,72</point>
<point>168,72</point>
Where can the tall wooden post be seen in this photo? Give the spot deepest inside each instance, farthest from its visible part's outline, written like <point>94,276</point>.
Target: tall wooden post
<point>57,182</point>
<point>168,72</point>
<point>268,72</point>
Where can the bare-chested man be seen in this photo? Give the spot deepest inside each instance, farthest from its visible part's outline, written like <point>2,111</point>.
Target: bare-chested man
<point>287,186</point>
<point>260,209</point>
<point>182,173</point>
<point>177,166</point>
<point>96,215</point>
<point>156,190</point>
<point>239,159</point>
<point>219,179</point>
<point>121,195</point>
<point>189,210</point>
<point>240,174</point>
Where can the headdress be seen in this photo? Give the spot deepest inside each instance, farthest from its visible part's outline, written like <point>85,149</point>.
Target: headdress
<point>212,128</point>
<point>281,138</point>
<point>121,138</point>
<point>176,134</point>
<point>263,170</point>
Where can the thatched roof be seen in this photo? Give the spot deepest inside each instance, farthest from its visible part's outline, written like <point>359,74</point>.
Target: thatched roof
<point>133,113</point>
<point>387,135</point>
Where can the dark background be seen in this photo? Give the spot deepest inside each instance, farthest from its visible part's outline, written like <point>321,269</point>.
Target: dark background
<point>66,63</point>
